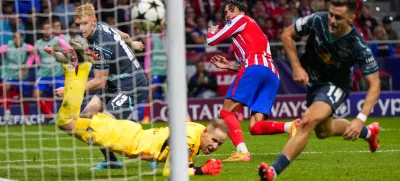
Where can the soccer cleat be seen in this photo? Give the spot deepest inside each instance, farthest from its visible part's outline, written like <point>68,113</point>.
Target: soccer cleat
<point>153,165</point>
<point>146,120</point>
<point>107,165</point>
<point>266,173</point>
<point>373,140</point>
<point>293,127</point>
<point>62,55</point>
<point>84,52</point>
<point>239,157</point>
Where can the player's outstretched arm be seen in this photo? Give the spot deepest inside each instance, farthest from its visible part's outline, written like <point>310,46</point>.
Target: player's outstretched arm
<point>353,131</point>
<point>300,76</point>
<point>134,45</point>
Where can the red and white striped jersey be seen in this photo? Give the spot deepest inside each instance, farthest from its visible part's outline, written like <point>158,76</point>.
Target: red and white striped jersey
<point>250,45</point>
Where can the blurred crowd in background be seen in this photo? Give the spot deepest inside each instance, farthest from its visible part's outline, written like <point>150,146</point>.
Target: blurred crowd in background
<point>22,21</point>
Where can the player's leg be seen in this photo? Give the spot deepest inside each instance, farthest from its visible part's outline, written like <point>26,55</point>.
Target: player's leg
<point>262,103</point>
<point>94,106</point>
<point>238,94</point>
<point>7,86</point>
<point>316,113</point>
<point>337,127</point>
<point>41,88</point>
<point>322,102</point>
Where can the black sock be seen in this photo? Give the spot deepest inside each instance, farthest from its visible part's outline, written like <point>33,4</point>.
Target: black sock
<point>109,156</point>
<point>364,132</point>
<point>280,163</point>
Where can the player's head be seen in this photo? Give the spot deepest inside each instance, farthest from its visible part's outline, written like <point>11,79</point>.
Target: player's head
<point>18,39</point>
<point>232,8</point>
<point>213,136</point>
<point>46,28</point>
<point>85,17</point>
<point>341,16</point>
<point>57,27</point>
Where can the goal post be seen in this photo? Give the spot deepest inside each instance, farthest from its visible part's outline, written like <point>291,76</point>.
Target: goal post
<point>177,89</point>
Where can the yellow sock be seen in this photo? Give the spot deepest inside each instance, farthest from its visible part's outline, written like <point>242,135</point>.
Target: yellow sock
<point>74,90</point>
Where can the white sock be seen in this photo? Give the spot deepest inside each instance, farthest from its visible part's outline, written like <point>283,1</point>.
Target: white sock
<point>275,174</point>
<point>241,148</point>
<point>287,126</point>
<point>368,134</point>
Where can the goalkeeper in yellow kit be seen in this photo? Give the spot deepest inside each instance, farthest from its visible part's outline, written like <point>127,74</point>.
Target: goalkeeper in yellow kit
<point>124,136</point>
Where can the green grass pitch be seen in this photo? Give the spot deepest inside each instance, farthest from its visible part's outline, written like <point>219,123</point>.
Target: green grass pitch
<point>45,153</point>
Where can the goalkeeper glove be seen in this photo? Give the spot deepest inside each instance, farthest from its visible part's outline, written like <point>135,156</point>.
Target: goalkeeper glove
<point>211,167</point>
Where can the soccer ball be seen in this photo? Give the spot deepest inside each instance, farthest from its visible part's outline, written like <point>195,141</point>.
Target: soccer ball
<point>148,14</point>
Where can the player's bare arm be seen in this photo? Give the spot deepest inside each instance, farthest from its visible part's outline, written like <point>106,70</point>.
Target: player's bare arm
<point>98,82</point>
<point>134,45</point>
<point>300,76</point>
<point>222,63</point>
<point>353,131</point>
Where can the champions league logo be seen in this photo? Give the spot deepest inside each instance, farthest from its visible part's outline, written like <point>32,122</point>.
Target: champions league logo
<point>343,110</point>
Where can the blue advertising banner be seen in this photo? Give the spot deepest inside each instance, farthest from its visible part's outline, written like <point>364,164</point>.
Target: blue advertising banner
<point>285,107</point>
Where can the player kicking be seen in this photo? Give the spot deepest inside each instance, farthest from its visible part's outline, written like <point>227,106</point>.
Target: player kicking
<point>127,137</point>
<point>257,80</point>
<point>334,46</point>
<point>119,79</point>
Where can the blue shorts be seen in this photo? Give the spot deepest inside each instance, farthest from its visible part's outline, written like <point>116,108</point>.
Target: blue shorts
<point>256,87</point>
<point>24,84</point>
<point>328,93</point>
<point>158,81</point>
<point>48,84</point>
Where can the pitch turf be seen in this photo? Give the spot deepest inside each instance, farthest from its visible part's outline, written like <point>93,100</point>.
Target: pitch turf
<point>45,153</point>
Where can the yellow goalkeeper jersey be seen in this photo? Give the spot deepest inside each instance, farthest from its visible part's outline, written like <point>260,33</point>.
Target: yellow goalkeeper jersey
<point>128,138</point>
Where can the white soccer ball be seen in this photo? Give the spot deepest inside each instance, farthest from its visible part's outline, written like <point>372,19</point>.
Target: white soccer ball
<point>148,14</point>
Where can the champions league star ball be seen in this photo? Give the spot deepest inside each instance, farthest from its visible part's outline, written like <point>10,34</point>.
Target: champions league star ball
<point>148,14</point>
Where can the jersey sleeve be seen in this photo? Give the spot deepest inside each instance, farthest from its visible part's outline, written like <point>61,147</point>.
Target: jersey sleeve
<point>305,25</point>
<point>236,25</point>
<point>366,62</point>
<point>167,168</point>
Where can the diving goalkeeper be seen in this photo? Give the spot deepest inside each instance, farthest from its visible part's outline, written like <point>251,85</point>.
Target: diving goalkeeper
<point>124,136</point>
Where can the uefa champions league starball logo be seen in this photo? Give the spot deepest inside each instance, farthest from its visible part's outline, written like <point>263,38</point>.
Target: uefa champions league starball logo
<point>343,110</point>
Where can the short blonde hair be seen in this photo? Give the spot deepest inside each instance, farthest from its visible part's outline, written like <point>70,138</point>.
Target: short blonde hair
<point>218,124</point>
<point>86,9</point>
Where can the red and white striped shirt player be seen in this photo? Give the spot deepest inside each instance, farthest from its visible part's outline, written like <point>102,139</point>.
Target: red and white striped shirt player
<point>256,83</point>
<point>250,45</point>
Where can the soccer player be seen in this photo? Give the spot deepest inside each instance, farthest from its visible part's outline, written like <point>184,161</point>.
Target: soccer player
<point>16,55</point>
<point>127,137</point>
<point>118,76</point>
<point>257,80</point>
<point>334,46</point>
<point>50,72</point>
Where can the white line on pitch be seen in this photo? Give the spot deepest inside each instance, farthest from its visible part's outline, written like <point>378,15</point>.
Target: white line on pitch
<point>222,154</point>
<point>4,179</point>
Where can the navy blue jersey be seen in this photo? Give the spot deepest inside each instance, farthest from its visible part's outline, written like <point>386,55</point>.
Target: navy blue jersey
<point>329,59</point>
<point>125,72</point>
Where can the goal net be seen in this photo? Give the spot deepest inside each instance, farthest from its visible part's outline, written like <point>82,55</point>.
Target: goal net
<point>32,147</point>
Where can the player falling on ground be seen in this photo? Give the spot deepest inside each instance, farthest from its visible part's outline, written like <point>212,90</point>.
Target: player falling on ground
<point>127,137</point>
<point>333,47</point>
<point>257,80</point>
<point>119,79</point>
<point>17,54</point>
<point>50,72</point>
